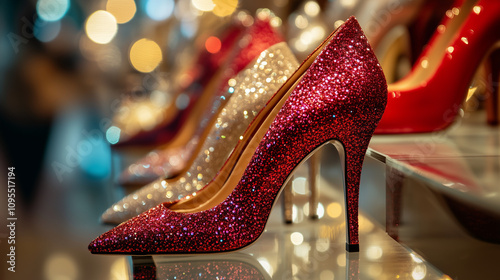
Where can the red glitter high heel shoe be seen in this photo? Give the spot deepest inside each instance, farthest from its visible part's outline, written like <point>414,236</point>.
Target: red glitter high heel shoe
<point>337,96</point>
<point>429,98</point>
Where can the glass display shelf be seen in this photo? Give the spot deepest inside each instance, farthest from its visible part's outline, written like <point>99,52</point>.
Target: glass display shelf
<point>306,249</point>
<point>52,241</point>
<point>443,194</point>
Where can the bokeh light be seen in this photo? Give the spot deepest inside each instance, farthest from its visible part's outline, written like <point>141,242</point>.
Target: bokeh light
<point>203,5</point>
<point>160,98</point>
<point>326,275</point>
<point>113,134</point>
<point>145,55</point>
<point>297,238</point>
<point>334,210</point>
<point>119,269</point>
<point>189,28</point>
<point>348,3</point>
<point>374,252</point>
<point>145,117</point>
<point>299,185</point>
<point>419,272</point>
<point>101,27</point>
<point>122,10</point>
<point>341,261</point>
<point>182,101</point>
<point>224,7</point>
<point>159,9</point>
<point>60,266</point>
<point>52,10</point>
<point>46,31</point>
<point>301,22</point>
<point>185,11</point>
<point>213,44</point>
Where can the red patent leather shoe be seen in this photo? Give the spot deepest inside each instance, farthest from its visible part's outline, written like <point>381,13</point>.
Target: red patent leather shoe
<point>430,97</point>
<point>337,96</point>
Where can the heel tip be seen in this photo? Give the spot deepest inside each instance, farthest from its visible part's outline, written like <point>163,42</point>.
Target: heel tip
<point>314,217</point>
<point>352,247</point>
<point>288,222</point>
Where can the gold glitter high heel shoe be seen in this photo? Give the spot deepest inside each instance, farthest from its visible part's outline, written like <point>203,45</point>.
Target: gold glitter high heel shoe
<point>229,133</point>
<point>169,160</point>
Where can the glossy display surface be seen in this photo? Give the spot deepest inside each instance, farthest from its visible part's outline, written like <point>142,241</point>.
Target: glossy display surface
<point>463,162</point>
<point>307,249</point>
<point>443,196</point>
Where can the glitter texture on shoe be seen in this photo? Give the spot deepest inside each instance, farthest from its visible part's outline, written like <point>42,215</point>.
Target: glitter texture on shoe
<point>250,91</point>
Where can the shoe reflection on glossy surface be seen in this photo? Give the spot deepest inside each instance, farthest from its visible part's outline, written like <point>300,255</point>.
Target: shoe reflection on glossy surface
<point>440,165</point>
<point>237,266</point>
<point>307,250</point>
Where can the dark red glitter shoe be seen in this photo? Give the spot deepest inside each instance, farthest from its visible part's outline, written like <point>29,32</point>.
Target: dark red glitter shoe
<point>337,96</point>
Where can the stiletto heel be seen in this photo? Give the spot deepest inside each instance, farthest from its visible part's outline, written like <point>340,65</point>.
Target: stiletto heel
<point>288,202</point>
<point>352,148</point>
<point>313,168</point>
<point>338,94</point>
<point>313,180</point>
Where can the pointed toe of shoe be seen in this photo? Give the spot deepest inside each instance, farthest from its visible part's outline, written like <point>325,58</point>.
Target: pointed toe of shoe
<point>96,247</point>
<point>114,217</point>
<point>141,235</point>
<point>104,244</point>
<point>111,242</point>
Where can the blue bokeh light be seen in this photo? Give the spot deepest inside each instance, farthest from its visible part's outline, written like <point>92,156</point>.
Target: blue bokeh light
<point>159,9</point>
<point>52,10</point>
<point>46,31</point>
<point>113,134</point>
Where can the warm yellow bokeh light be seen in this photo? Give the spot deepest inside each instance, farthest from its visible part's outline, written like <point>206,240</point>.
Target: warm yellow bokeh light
<point>123,10</point>
<point>224,7</point>
<point>311,8</point>
<point>101,27</point>
<point>145,55</point>
<point>203,5</point>
<point>334,210</point>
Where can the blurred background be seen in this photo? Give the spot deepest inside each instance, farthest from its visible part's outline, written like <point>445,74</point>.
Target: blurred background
<point>67,65</point>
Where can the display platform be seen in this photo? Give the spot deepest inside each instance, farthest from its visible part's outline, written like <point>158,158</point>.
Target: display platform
<point>443,195</point>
